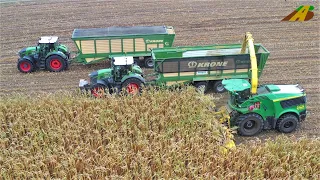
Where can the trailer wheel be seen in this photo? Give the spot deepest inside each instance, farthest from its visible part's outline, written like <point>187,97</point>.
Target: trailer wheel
<point>56,63</point>
<point>25,66</point>
<point>136,61</point>
<point>287,123</point>
<point>218,87</point>
<point>148,62</point>
<point>132,86</point>
<point>249,124</point>
<point>98,91</point>
<point>201,87</point>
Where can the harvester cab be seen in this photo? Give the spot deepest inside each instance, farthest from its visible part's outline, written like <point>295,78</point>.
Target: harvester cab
<point>48,54</point>
<point>253,108</point>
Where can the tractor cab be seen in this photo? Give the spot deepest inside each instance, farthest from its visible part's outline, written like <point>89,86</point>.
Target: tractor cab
<point>48,43</point>
<point>121,66</point>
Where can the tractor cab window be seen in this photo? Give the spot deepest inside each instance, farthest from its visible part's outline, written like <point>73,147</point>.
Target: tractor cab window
<point>51,46</point>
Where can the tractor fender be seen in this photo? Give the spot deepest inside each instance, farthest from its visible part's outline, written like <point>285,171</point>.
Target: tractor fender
<point>59,53</point>
<point>30,58</point>
<point>108,82</point>
<point>133,76</point>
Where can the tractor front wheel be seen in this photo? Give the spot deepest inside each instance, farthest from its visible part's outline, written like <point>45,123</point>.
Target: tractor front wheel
<point>25,66</point>
<point>56,63</point>
<point>132,86</point>
<point>287,123</point>
<point>249,124</point>
<point>98,90</point>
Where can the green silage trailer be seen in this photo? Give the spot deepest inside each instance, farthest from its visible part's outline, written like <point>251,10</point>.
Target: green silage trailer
<point>205,66</point>
<point>96,44</point>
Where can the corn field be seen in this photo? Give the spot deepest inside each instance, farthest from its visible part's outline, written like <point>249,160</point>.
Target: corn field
<point>159,134</point>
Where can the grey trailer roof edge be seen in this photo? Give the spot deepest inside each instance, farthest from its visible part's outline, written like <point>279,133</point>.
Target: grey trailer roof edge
<point>116,31</point>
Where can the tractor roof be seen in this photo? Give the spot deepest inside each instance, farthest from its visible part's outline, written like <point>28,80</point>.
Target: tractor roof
<point>124,60</point>
<point>48,39</point>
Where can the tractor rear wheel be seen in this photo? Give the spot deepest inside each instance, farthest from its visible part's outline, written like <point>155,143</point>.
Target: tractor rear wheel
<point>287,123</point>
<point>148,62</point>
<point>132,86</point>
<point>98,90</point>
<point>218,87</point>
<point>249,124</point>
<point>201,87</point>
<point>25,66</point>
<point>56,63</point>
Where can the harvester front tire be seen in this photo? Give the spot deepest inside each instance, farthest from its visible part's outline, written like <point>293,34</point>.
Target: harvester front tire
<point>132,86</point>
<point>56,63</point>
<point>148,62</point>
<point>287,123</point>
<point>218,87</point>
<point>249,124</point>
<point>25,66</point>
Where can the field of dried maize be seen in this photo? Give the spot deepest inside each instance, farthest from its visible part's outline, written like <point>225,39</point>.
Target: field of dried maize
<point>75,137</point>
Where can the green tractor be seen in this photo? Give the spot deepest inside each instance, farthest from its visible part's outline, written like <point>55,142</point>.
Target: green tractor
<point>123,74</point>
<point>253,108</point>
<point>48,54</point>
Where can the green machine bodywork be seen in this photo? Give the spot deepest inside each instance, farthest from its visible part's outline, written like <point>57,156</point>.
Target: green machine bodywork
<point>279,107</point>
<point>122,74</point>
<point>48,54</point>
<point>96,44</point>
<point>205,66</point>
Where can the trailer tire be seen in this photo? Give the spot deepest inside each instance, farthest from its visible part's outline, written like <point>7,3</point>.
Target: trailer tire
<point>287,123</point>
<point>218,87</point>
<point>148,62</point>
<point>201,87</point>
<point>98,90</point>
<point>249,124</point>
<point>132,86</point>
<point>56,63</point>
<point>25,66</point>
<point>136,61</point>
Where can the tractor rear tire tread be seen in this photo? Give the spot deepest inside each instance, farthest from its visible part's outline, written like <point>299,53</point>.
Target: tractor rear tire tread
<point>62,63</point>
<point>132,80</point>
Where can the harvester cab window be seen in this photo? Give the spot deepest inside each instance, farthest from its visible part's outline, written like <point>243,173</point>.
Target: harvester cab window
<point>242,96</point>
